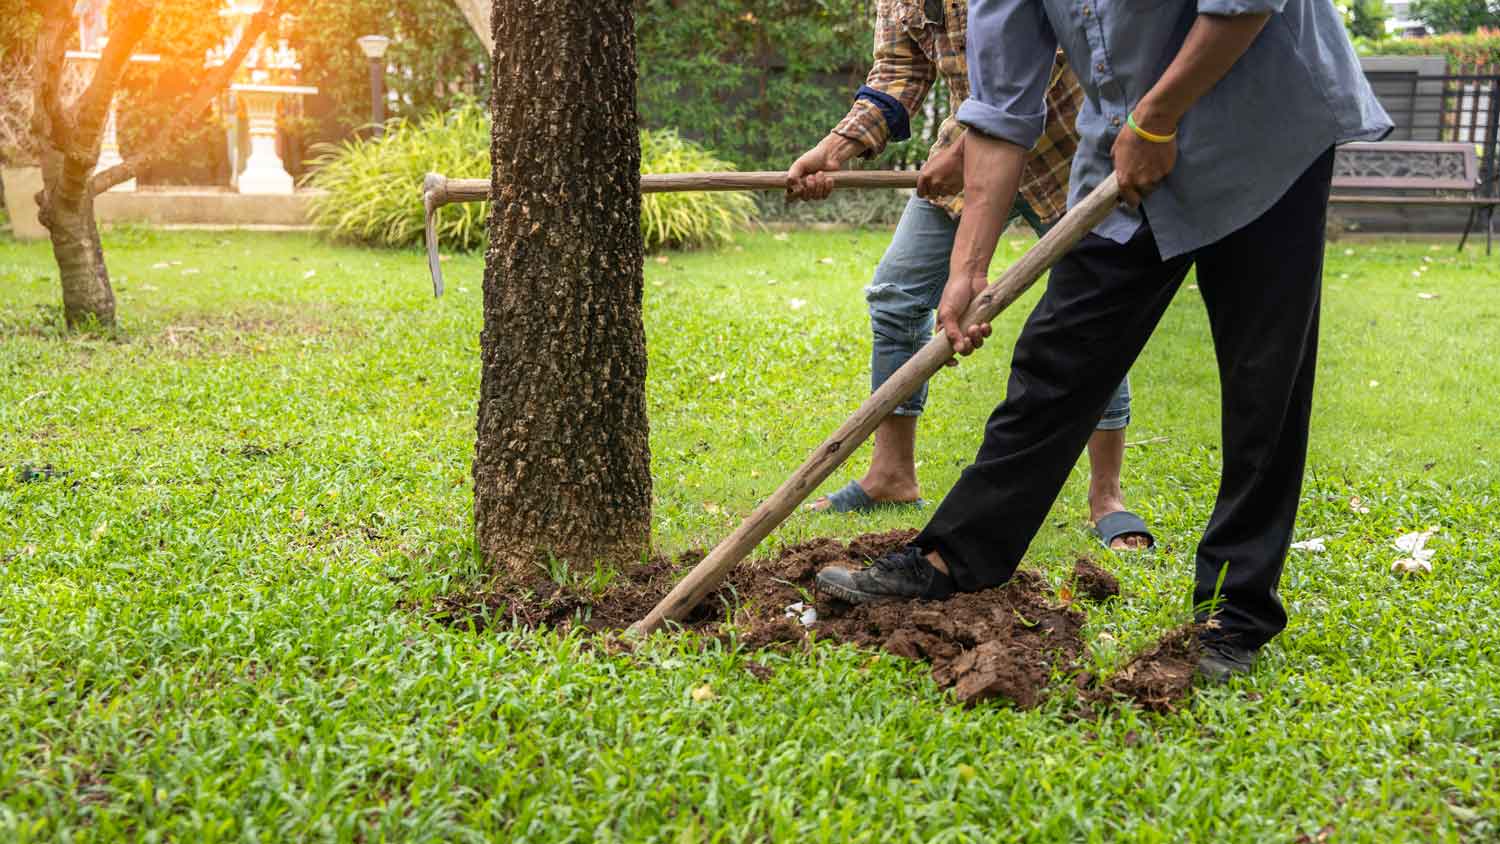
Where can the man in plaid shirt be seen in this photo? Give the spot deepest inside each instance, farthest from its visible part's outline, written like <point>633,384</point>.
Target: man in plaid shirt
<point>915,41</point>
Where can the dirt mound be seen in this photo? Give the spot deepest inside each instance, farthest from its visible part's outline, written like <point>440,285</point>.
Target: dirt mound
<point>1008,642</point>
<point>1092,582</point>
<point>1159,677</point>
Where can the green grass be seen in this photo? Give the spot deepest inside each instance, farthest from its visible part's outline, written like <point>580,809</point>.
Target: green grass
<point>201,632</point>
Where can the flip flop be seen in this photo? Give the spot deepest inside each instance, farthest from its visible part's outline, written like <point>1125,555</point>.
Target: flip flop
<point>853,499</point>
<point>1119,524</point>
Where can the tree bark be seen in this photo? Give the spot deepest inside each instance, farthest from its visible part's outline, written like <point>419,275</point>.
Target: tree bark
<point>562,460</point>
<point>69,135</point>
<point>88,298</point>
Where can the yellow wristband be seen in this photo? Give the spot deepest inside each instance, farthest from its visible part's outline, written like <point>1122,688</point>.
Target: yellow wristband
<point>1149,136</point>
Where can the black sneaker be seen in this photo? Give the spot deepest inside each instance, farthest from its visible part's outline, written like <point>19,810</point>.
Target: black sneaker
<point>1221,661</point>
<point>899,575</point>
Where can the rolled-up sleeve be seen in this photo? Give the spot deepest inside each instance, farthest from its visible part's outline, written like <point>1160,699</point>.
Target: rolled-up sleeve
<point>1011,47</point>
<point>1231,8</point>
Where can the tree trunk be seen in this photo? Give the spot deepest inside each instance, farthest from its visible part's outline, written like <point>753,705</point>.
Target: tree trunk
<point>562,463</point>
<point>88,299</point>
<point>477,13</point>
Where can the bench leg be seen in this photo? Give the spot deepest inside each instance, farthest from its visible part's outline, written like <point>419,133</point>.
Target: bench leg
<point>1489,229</point>
<point>1468,227</point>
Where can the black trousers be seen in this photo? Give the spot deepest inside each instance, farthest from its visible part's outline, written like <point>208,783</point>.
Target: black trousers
<point>1262,286</point>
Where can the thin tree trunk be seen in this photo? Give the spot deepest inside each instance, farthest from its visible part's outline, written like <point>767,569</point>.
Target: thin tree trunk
<point>87,296</point>
<point>477,13</point>
<point>562,461</point>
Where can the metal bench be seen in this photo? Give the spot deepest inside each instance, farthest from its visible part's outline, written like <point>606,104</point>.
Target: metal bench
<point>1425,172</point>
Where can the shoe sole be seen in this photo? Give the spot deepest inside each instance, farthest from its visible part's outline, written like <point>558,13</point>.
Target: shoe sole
<point>852,596</point>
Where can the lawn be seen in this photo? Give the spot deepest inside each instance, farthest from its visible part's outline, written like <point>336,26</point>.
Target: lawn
<point>211,625</point>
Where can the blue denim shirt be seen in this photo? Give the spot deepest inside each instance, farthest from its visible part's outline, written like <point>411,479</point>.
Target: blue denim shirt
<point>1296,92</point>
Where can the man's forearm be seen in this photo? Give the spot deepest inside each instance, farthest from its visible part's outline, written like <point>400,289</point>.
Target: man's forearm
<point>992,174</point>
<point>1212,47</point>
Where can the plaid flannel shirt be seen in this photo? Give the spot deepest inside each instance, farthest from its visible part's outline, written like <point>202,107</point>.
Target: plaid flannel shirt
<point>912,47</point>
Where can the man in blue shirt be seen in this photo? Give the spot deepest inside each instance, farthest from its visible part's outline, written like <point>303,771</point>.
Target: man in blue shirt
<point>1220,118</point>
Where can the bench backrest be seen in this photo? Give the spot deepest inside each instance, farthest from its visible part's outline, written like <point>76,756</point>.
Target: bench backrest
<point>1407,165</point>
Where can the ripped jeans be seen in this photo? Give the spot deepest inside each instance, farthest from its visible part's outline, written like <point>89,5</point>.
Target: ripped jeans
<point>905,291</point>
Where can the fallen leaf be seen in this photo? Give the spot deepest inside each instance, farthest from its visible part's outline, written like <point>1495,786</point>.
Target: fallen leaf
<point>1315,545</point>
<point>1419,556</point>
<point>717,378</point>
<point>28,550</point>
<point>299,514</point>
<point>711,508</point>
<point>662,259</point>
<point>1411,566</point>
<point>1357,504</point>
<point>966,772</point>
<point>1065,593</point>
<point>100,529</point>
<point>703,693</point>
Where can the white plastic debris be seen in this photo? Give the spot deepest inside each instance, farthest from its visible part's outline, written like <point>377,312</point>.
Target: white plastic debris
<point>805,614</point>
<point>1314,545</point>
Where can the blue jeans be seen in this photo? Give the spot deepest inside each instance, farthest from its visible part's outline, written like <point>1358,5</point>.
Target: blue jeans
<point>906,289</point>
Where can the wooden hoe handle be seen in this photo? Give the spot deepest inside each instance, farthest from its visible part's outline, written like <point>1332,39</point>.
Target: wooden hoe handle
<point>708,574</point>
<point>438,190</point>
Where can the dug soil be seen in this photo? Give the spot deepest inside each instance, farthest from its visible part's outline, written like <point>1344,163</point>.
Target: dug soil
<point>1009,642</point>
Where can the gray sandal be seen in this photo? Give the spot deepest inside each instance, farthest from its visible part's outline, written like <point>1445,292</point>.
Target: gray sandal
<point>1123,524</point>
<point>853,499</point>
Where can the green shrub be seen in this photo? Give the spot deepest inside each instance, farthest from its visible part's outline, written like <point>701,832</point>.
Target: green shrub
<point>373,186</point>
<point>685,220</point>
<point>1477,52</point>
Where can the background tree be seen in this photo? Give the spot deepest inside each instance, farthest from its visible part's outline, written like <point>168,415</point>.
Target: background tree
<point>1366,19</point>
<point>68,133</point>
<point>435,60</point>
<point>562,460</point>
<point>1457,15</point>
<point>477,13</point>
